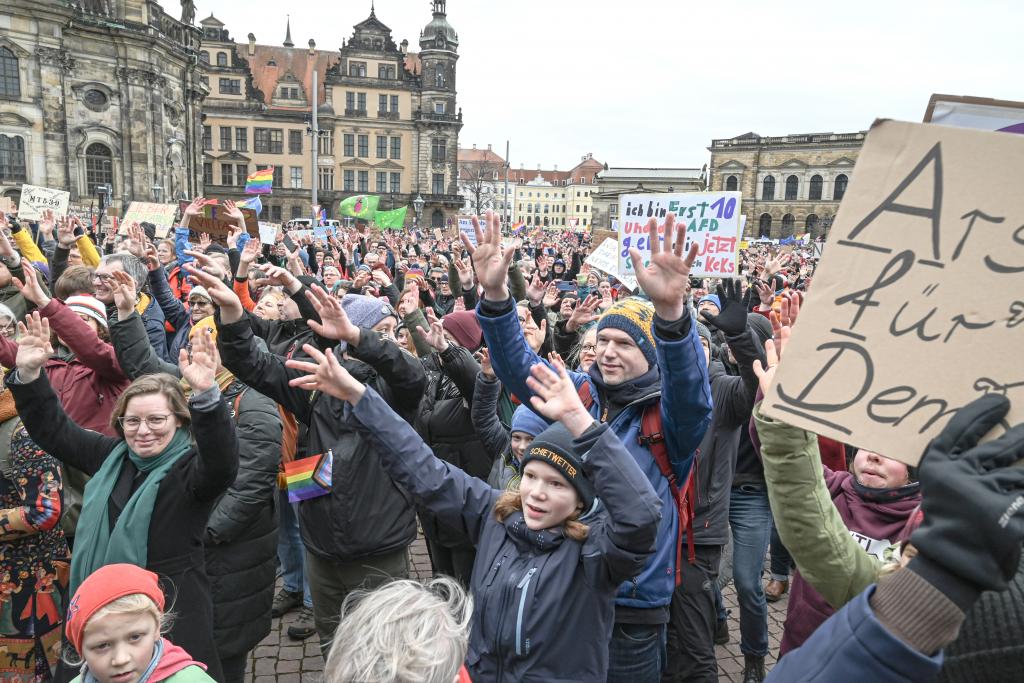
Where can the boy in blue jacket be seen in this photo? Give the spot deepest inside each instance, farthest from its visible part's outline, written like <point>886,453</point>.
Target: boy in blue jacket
<point>646,353</point>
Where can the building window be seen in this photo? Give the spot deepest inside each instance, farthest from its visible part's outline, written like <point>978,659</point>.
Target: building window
<point>792,187</point>
<point>222,59</point>
<point>296,172</point>
<point>382,103</point>
<point>296,211</point>
<point>357,69</point>
<point>764,226</point>
<point>241,173</point>
<point>95,99</point>
<point>295,142</point>
<point>768,188</point>
<point>364,181</point>
<point>241,139</point>
<point>437,219</point>
<point>437,149</point>
<point>438,107</point>
<point>812,222</point>
<point>278,176</point>
<point>382,147</point>
<point>364,146</point>
<point>350,145</point>
<point>227,174</point>
<point>437,185</point>
<point>382,181</point>
<point>207,173</point>
<point>386,72</point>
<point>12,159</point>
<point>207,138</point>
<point>394,103</point>
<point>814,191</point>
<point>326,174</point>
<point>225,139</point>
<point>361,101</point>
<point>787,225</point>
<point>204,57</point>
<point>731,183</point>
<point>396,183</point>
<point>840,186</point>
<point>350,181</point>
<point>326,143</point>
<point>268,140</point>
<point>350,100</point>
<point>99,167</point>
<point>396,148</point>
<point>275,214</point>
<point>230,86</point>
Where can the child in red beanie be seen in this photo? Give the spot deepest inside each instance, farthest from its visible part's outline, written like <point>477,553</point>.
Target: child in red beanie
<point>114,622</point>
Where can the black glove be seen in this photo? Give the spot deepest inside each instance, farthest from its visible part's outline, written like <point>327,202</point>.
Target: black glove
<point>973,504</point>
<point>732,319</point>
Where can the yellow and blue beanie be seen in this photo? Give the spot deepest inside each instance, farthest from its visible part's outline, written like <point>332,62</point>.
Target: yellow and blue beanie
<point>635,317</point>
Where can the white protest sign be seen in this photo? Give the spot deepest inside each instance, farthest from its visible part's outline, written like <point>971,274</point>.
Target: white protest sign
<point>160,215</point>
<point>35,200</point>
<point>466,228</point>
<point>268,232</point>
<point>606,259</point>
<point>919,307</point>
<point>712,220</point>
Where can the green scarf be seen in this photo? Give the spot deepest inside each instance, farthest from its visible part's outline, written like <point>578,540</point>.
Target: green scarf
<point>95,544</point>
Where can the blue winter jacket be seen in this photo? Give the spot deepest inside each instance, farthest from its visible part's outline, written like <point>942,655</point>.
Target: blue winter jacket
<point>543,604</point>
<point>854,646</point>
<point>174,312</point>
<point>685,395</point>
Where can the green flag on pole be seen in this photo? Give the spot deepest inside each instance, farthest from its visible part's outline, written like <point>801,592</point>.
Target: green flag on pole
<point>392,220</point>
<point>361,206</point>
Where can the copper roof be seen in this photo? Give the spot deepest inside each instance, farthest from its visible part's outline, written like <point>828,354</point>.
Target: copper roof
<point>479,156</point>
<point>296,60</point>
<point>586,168</point>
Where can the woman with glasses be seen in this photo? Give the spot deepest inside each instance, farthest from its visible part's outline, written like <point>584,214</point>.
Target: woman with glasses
<point>152,487</point>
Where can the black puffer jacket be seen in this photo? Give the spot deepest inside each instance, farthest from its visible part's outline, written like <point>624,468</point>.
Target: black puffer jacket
<point>366,513</point>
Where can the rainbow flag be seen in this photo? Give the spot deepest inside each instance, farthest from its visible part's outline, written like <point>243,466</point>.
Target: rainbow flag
<point>260,182</point>
<point>518,227</point>
<point>253,203</point>
<point>310,477</point>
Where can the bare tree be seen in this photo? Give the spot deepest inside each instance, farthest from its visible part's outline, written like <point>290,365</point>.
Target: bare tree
<point>477,181</point>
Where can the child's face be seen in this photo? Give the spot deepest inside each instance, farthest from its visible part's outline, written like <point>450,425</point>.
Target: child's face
<point>520,442</point>
<point>878,472</point>
<point>548,497</point>
<point>118,647</point>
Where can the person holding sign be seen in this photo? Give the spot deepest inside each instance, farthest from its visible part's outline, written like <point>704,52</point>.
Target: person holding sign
<point>649,362</point>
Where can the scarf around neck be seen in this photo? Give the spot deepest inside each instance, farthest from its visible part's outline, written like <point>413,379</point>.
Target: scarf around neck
<point>97,545</point>
<point>168,659</point>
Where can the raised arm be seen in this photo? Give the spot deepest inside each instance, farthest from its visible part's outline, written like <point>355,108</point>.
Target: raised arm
<point>483,412</point>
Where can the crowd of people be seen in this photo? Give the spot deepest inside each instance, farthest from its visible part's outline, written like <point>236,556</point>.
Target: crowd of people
<point>589,465</point>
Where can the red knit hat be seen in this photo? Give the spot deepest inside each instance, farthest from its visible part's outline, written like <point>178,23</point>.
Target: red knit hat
<point>464,326</point>
<point>101,588</point>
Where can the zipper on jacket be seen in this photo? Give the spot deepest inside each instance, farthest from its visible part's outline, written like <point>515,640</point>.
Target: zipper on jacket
<point>524,588</point>
<point>494,571</point>
<point>636,584</point>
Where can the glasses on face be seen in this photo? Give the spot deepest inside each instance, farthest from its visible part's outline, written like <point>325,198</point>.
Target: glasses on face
<point>102,277</point>
<point>589,347</point>
<point>131,423</point>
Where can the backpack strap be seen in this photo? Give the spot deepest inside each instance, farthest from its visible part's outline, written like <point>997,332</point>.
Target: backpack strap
<point>651,436</point>
<point>585,395</point>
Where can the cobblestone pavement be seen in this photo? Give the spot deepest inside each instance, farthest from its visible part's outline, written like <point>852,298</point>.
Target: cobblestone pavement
<point>283,660</point>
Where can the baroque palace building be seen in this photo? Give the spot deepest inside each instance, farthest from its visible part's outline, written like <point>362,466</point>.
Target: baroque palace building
<point>388,119</point>
<point>97,93</point>
<point>790,184</point>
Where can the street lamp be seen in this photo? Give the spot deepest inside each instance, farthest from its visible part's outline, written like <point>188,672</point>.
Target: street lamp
<point>157,191</point>
<point>417,207</point>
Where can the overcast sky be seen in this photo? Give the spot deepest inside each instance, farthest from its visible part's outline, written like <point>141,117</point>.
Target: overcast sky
<point>646,83</point>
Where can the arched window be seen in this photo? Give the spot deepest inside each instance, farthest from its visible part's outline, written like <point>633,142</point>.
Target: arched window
<point>437,219</point>
<point>222,59</point>
<point>10,83</point>
<point>12,159</point>
<point>204,57</point>
<point>815,190</point>
<point>840,187</point>
<point>529,208</point>
<point>99,167</point>
<point>787,225</point>
<point>764,226</point>
<point>731,183</point>
<point>792,187</point>
<point>768,188</point>
<point>812,222</point>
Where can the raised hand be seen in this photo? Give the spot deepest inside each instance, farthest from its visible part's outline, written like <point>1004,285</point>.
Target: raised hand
<point>410,299</point>
<point>775,264</point>
<point>335,322</point>
<point>773,349</point>
<point>251,251</point>
<point>489,260</point>
<point>230,306</point>
<point>281,277</point>
<point>556,398</point>
<point>30,288</point>
<point>199,366</point>
<point>34,346</point>
<point>584,313</point>
<point>326,374</point>
<point>136,241</point>
<point>665,279</point>
<point>435,336</point>
<point>122,285</point>
<point>535,290</point>
<point>66,233</point>
<point>204,241</point>
<point>234,232</point>
<point>765,293</point>
<point>47,223</point>
<point>232,211</point>
<point>484,356</point>
<point>551,295</point>
<point>465,271</point>
<point>732,319</point>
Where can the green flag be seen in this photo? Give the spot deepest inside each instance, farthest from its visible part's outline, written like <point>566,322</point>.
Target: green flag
<point>392,220</point>
<point>361,206</point>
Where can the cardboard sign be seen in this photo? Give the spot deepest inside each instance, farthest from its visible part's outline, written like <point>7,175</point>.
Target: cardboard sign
<point>919,307</point>
<point>35,200</point>
<point>606,259</point>
<point>217,225</point>
<point>268,232</point>
<point>160,215</point>
<point>466,227</point>
<point>712,220</point>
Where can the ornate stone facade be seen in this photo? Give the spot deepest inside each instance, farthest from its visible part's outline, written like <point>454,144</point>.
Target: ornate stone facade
<point>106,93</point>
<point>790,184</point>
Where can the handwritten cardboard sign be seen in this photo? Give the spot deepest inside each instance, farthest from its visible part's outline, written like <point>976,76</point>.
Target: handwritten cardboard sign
<point>160,215</point>
<point>216,223</point>
<point>918,306</point>
<point>712,220</point>
<point>606,259</point>
<point>36,200</point>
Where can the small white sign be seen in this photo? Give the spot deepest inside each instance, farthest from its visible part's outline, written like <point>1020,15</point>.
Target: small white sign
<point>35,200</point>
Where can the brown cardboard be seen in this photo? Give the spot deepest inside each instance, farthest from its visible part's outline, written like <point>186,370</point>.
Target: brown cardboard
<point>216,223</point>
<point>919,306</point>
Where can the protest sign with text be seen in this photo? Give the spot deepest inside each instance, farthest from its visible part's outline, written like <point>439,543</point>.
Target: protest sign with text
<point>712,220</point>
<point>160,215</point>
<point>605,259</point>
<point>216,223</point>
<point>35,200</point>
<point>919,307</point>
<point>466,228</point>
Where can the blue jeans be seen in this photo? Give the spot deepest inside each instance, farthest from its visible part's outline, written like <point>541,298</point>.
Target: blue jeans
<point>290,551</point>
<point>637,653</point>
<point>750,517</point>
<point>780,563</point>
